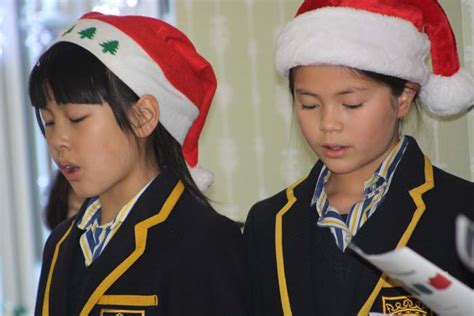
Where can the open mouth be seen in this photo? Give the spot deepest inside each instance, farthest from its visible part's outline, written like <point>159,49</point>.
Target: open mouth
<point>334,147</point>
<point>69,170</point>
<point>334,150</point>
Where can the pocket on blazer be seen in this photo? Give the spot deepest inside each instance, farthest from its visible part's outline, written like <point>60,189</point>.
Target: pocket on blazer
<point>121,312</point>
<point>126,305</point>
<point>397,301</point>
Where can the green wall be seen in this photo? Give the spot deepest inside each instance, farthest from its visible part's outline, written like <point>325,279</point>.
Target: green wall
<point>251,141</point>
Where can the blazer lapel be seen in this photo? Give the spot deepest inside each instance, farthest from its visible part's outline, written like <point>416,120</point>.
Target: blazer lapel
<point>129,242</point>
<point>117,250</point>
<point>293,247</point>
<point>58,289</point>
<point>402,206</point>
<point>381,233</point>
<point>392,225</point>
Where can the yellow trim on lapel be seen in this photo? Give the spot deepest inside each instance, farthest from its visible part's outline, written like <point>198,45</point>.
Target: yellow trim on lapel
<point>280,261</point>
<point>51,269</point>
<point>416,194</point>
<point>129,300</point>
<point>141,230</point>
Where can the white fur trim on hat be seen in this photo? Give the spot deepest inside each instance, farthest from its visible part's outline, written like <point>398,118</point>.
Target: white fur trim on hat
<point>354,38</point>
<point>448,95</point>
<point>202,177</point>
<point>140,73</point>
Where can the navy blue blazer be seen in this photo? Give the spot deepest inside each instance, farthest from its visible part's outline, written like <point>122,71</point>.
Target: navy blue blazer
<point>172,256</point>
<point>295,267</point>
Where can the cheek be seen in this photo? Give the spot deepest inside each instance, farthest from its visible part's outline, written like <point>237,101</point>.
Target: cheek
<point>308,123</point>
<point>377,127</point>
<point>116,152</point>
<point>107,143</point>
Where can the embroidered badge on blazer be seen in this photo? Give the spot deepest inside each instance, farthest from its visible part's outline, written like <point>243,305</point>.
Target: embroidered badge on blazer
<point>404,305</point>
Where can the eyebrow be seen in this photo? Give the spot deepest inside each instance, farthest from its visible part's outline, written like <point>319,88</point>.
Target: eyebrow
<point>349,90</point>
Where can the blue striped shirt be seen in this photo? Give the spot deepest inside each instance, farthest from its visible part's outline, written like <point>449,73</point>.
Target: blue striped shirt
<point>96,236</point>
<point>375,190</point>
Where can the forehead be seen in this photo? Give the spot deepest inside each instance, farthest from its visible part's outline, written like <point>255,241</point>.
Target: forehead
<point>331,76</point>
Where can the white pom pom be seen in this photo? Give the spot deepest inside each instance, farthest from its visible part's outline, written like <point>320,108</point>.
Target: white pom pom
<point>202,177</point>
<point>448,95</point>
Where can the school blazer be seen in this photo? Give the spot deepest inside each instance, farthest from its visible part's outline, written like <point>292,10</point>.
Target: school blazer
<point>289,256</point>
<point>171,256</point>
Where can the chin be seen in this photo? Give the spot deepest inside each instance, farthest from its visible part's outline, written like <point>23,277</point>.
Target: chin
<point>339,167</point>
<point>84,192</point>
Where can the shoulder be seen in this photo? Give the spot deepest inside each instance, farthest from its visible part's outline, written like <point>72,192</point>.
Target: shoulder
<point>64,227</point>
<point>207,237</point>
<point>443,185</point>
<point>55,237</point>
<point>300,191</point>
<point>270,206</point>
<point>452,191</point>
<point>447,181</point>
<point>263,214</point>
<point>59,232</point>
<point>203,218</point>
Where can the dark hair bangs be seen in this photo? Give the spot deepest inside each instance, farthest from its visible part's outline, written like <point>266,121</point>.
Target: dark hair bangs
<point>68,73</point>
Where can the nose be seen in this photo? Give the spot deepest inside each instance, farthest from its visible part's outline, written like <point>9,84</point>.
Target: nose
<point>330,119</point>
<point>58,138</point>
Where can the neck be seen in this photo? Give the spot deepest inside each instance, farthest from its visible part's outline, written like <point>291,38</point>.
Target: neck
<point>352,183</point>
<point>113,200</point>
<point>344,190</point>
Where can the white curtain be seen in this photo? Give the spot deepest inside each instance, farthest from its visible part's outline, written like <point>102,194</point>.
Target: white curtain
<point>25,166</point>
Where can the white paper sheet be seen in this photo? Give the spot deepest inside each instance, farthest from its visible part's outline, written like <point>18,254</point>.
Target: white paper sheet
<point>465,240</point>
<point>438,290</point>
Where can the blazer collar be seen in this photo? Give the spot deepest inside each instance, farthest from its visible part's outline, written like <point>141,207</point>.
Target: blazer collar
<point>293,246</point>
<point>392,225</point>
<point>152,208</point>
<point>396,212</point>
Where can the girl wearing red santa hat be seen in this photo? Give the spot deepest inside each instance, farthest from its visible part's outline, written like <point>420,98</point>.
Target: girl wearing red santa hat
<point>121,101</point>
<point>354,68</point>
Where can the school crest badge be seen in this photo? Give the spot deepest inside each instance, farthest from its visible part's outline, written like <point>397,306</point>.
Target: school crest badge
<point>404,305</point>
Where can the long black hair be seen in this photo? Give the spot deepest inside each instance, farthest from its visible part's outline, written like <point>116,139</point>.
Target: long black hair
<point>71,74</point>
<point>57,206</point>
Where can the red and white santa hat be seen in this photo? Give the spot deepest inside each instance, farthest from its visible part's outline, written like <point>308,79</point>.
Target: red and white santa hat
<point>153,57</point>
<point>391,37</point>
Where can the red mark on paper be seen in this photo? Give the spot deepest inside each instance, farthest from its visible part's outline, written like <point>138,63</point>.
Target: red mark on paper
<point>439,282</point>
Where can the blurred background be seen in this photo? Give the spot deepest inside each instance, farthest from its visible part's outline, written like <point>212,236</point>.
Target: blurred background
<point>251,141</point>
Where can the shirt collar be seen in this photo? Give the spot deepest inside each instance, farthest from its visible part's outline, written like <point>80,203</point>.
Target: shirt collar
<point>92,215</point>
<point>381,177</point>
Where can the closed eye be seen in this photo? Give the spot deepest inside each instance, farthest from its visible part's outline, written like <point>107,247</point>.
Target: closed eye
<point>48,123</point>
<point>352,106</point>
<point>75,121</point>
<point>309,106</point>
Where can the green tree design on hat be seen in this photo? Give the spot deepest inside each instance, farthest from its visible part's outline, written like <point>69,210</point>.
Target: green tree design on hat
<point>88,33</point>
<point>110,47</point>
<point>70,30</point>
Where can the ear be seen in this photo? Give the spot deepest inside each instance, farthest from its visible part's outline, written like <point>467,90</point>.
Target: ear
<point>406,99</point>
<point>145,115</point>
